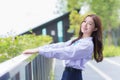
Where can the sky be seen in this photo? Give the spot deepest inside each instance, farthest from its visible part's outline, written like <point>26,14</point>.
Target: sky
<point>17,16</point>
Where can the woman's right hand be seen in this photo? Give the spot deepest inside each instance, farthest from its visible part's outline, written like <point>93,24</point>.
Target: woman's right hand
<point>30,51</point>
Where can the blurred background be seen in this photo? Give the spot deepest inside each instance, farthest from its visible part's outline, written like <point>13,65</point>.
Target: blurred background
<point>22,16</point>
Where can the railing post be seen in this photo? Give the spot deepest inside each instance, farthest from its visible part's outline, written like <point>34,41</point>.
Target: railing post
<point>34,68</point>
<point>28,72</point>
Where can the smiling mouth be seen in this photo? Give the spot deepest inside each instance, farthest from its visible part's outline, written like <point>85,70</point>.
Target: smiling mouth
<point>85,28</point>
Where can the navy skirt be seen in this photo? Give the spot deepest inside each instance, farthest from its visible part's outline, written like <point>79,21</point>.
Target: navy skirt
<point>72,74</point>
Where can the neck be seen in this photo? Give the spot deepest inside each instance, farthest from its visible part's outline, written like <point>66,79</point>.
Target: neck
<point>85,36</point>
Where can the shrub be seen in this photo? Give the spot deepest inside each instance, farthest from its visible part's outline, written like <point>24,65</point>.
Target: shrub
<point>13,46</point>
<point>112,50</point>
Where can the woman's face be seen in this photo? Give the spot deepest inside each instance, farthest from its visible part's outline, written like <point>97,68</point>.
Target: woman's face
<point>88,26</point>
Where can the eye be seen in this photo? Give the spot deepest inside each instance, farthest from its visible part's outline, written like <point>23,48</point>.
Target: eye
<point>90,23</point>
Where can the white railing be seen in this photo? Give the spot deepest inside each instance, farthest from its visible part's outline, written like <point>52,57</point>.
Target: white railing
<point>26,67</point>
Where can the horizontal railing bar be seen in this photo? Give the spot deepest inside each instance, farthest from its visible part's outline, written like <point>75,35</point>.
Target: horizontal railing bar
<point>12,66</point>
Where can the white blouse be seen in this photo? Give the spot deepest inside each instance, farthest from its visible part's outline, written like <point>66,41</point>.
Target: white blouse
<point>75,55</point>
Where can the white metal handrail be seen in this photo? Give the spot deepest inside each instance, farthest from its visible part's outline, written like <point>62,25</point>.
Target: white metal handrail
<point>25,67</point>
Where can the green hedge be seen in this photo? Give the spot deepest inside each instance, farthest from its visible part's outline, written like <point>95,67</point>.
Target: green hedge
<point>110,51</point>
<point>13,46</point>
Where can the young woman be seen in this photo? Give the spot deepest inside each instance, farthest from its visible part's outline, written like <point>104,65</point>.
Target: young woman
<point>78,52</point>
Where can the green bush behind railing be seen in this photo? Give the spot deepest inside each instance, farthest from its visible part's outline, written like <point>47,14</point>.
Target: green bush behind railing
<point>13,46</point>
<point>111,51</point>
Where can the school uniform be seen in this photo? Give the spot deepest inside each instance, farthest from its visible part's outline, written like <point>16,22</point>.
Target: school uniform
<point>75,55</point>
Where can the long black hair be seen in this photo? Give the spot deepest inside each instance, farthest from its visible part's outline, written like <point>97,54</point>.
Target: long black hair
<point>97,38</point>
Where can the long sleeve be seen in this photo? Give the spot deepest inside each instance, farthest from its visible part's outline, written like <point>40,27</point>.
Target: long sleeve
<point>56,45</point>
<point>77,51</point>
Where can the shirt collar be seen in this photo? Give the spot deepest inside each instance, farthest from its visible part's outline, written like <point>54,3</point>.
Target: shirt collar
<point>87,38</point>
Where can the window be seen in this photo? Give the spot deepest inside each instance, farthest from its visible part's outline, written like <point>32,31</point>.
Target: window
<point>60,31</point>
<point>44,32</point>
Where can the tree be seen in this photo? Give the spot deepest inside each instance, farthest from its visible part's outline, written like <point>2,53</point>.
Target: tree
<point>108,10</point>
<point>75,18</point>
<point>68,5</point>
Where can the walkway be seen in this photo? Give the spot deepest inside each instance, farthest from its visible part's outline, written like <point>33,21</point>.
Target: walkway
<point>109,69</point>
<point>59,68</point>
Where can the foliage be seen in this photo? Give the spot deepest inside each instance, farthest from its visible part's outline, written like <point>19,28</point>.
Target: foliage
<point>108,11</point>
<point>68,5</point>
<point>13,46</point>
<point>61,7</point>
<point>112,50</point>
<point>76,6</point>
<point>74,22</point>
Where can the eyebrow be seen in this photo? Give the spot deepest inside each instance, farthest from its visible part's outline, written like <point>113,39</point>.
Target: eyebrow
<point>89,21</point>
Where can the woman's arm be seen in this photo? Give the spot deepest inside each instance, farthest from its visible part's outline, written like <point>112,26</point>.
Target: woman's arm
<point>57,45</point>
<point>31,51</point>
<point>77,51</point>
<point>54,45</point>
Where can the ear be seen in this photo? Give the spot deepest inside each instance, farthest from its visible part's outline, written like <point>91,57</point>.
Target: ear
<point>95,29</point>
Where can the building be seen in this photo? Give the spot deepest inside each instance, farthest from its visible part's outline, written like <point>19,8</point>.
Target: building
<point>57,28</point>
